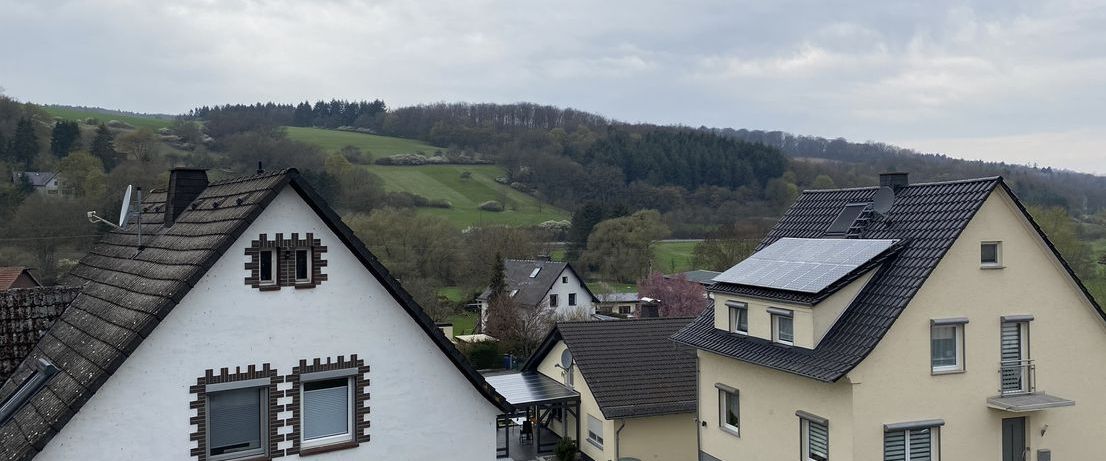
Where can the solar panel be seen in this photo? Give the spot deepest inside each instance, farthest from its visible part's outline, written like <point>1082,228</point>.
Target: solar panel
<point>846,219</point>
<point>804,265</point>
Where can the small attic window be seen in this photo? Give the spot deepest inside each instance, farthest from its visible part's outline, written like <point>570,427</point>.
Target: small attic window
<point>267,263</point>
<point>845,219</point>
<point>990,255</point>
<point>285,262</point>
<point>535,272</point>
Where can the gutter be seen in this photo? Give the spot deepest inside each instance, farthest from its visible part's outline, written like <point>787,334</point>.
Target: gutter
<point>617,439</point>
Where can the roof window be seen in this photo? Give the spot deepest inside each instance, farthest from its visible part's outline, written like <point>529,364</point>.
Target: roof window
<point>845,219</point>
<point>535,272</point>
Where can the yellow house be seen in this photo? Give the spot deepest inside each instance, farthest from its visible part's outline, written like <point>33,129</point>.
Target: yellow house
<point>637,387</point>
<point>902,323</point>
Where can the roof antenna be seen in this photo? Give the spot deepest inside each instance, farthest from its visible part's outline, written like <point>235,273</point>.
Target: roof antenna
<point>125,213</point>
<point>259,170</point>
<point>881,204</point>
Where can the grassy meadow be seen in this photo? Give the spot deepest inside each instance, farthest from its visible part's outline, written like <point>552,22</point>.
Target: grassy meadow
<point>80,115</point>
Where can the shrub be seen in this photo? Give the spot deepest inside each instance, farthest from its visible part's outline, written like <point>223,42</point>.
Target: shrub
<point>491,205</point>
<point>566,450</point>
<point>483,355</point>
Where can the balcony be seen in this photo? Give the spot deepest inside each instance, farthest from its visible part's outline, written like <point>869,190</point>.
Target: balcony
<point>1018,389</point>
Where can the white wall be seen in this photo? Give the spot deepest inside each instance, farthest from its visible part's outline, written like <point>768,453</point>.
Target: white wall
<point>422,407</point>
<point>562,290</point>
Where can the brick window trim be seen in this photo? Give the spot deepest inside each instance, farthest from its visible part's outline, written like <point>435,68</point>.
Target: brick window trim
<point>225,376</point>
<point>360,407</point>
<point>285,261</point>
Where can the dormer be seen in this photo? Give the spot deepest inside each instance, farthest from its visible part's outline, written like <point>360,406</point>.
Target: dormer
<point>793,291</point>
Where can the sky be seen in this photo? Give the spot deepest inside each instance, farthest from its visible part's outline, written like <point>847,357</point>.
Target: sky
<point>1009,80</point>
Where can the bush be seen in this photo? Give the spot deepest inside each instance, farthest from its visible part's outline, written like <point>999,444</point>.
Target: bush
<point>440,203</point>
<point>566,450</point>
<point>491,205</point>
<point>483,355</point>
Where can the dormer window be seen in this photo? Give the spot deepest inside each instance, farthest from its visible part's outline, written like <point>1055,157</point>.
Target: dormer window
<point>990,255</point>
<point>783,326</point>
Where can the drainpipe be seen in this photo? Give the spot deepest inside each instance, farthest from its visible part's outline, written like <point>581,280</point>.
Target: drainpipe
<point>698,411</point>
<point>617,441</point>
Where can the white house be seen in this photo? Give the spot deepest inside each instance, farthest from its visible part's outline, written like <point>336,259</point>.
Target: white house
<point>41,181</point>
<point>249,323</point>
<point>544,284</point>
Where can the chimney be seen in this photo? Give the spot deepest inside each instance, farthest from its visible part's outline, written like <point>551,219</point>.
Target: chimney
<point>185,184</point>
<point>896,181</point>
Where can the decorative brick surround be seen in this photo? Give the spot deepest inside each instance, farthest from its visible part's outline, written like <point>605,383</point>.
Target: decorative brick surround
<point>286,263</point>
<point>224,376</point>
<point>360,401</point>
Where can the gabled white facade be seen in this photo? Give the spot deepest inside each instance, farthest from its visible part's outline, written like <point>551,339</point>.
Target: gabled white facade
<point>564,289</point>
<point>421,406</point>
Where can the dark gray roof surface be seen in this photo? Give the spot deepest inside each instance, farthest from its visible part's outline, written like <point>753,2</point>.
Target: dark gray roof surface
<point>531,291</point>
<point>529,388</point>
<point>25,314</point>
<point>928,217</point>
<point>631,366</point>
<point>125,294</point>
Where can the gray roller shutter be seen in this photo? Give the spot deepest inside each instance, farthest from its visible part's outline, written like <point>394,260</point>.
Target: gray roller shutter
<point>911,445</point>
<point>234,420</point>
<point>326,410</point>
<point>1011,356</point>
<point>818,440</point>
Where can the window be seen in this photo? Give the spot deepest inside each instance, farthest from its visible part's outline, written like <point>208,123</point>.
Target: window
<point>947,346</point>
<point>990,254</point>
<point>595,431</point>
<point>534,273</point>
<point>552,300</point>
<point>572,299</point>
<point>624,309</point>
<point>739,317</point>
<point>564,279</point>
<point>327,411</point>
<point>237,423</point>
<point>814,435</point>
<point>1014,354</point>
<point>783,327</point>
<point>729,409</point>
<point>303,265</point>
<point>845,219</point>
<point>513,293</point>
<point>916,444</point>
<point>267,267</point>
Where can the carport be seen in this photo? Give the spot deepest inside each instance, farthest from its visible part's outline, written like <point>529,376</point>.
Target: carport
<point>536,398</point>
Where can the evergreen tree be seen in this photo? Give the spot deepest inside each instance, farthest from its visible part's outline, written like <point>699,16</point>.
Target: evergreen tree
<point>103,148</point>
<point>65,137</point>
<point>498,284</point>
<point>24,146</point>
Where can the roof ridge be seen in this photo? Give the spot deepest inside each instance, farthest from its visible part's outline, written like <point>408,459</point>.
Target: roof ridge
<point>237,179</point>
<point>632,319</point>
<point>931,183</point>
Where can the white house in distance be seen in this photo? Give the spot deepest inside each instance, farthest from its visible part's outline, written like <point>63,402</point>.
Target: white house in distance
<point>47,182</point>
<point>544,284</point>
<point>249,323</point>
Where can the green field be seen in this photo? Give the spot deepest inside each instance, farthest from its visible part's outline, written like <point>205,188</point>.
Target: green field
<point>463,323</point>
<point>378,146</point>
<point>673,257</point>
<point>139,122</point>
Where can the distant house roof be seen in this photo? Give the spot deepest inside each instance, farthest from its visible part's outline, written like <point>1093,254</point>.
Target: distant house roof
<point>25,314</point>
<point>928,217</point>
<point>125,293</point>
<point>532,279</point>
<point>17,277</point>
<point>618,297</point>
<point>699,276</point>
<point>36,178</point>
<point>631,366</point>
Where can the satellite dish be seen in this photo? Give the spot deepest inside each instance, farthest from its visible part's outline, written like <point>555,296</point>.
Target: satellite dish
<point>885,196</point>
<point>566,359</point>
<point>126,208</point>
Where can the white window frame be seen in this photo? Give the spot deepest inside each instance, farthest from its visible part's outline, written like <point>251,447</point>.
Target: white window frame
<point>776,337</point>
<point>804,436</point>
<point>351,384</point>
<point>724,395</point>
<point>997,263</point>
<point>934,442</point>
<point>957,326</point>
<point>263,394</point>
<point>295,264</point>
<point>274,267</point>
<point>571,299</point>
<point>564,279</point>
<point>735,311</point>
<point>593,438</point>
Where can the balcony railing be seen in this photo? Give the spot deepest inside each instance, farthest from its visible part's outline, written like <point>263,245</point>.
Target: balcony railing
<point>1017,377</point>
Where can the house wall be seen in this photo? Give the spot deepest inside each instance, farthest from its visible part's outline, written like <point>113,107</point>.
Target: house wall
<point>658,438</point>
<point>588,406</point>
<point>421,406</point>
<point>768,402</point>
<point>562,290</point>
<point>1067,342</point>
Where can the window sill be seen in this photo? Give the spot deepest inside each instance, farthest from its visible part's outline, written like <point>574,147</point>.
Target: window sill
<point>947,372</point>
<point>328,448</point>
<point>730,430</point>
<point>991,266</point>
<point>299,285</point>
<point>269,287</point>
<point>596,445</point>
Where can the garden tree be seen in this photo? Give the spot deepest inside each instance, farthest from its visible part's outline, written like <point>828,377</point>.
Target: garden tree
<point>1062,230</point>
<point>425,293</point>
<point>83,175</point>
<point>24,144</point>
<point>103,147</point>
<point>484,245</point>
<point>48,224</point>
<point>728,246</point>
<point>502,318</point>
<point>64,138</point>
<point>498,284</point>
<point>141,144</point>
<point>411,245</point>
<point>621,249</point>
<point>678,296</point>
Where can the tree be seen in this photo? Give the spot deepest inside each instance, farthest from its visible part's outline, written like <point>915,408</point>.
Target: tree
<point>103,148</point>
<point>187,130</point>
<point>678,296</point>
<point>64,138</point>
<point>622,248</point>
<point>24,145</point>
<point>498,284</point>
<point>83,175</point>
<point>140,144</point>
<point>728,246</point>
<point>49,224</point>
<point>1063,232</point>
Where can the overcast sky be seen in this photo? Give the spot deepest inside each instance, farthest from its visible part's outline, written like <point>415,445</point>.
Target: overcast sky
<point>1004,80</point>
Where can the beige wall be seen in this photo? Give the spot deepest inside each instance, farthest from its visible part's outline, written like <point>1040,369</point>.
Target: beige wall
<point>548,367</point>
<point>1067,342</point>
<point>658,438</point>
<point>769,400</point>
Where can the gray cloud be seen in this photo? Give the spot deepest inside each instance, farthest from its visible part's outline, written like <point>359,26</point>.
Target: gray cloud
<point>1000,80</point>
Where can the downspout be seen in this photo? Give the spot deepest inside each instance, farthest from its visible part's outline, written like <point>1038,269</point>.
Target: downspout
<point>698,411</point>
<point>617,440</point>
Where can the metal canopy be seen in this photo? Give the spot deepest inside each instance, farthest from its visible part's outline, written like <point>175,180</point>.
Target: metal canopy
<point>521,389</point>
<point>804,265</point>
<point>1028,402</point>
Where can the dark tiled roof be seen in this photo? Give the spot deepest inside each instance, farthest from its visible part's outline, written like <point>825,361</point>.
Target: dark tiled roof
<point>125,293</point>
<point>25,314</point>
<point>631,366</point>
<point>10,274</point>
<point>531,291</point>
<point>928,217</point>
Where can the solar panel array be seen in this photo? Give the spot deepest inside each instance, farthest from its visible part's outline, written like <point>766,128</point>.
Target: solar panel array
<point>804,265</point>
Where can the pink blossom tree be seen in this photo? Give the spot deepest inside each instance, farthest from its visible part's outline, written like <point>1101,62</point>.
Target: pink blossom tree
<point>678,297</point>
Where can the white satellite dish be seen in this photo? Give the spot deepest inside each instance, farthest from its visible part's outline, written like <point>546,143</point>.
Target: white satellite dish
<point>566,359</point>
<point>124,211</point>
<point>883,200</point>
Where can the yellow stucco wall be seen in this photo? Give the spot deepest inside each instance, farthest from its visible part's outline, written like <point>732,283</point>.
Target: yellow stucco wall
<point>1067,343</point>
<point>588,406</point>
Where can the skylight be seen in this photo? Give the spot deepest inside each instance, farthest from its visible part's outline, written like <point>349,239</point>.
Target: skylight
<point>535,272</point>
<point>513,293</point>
